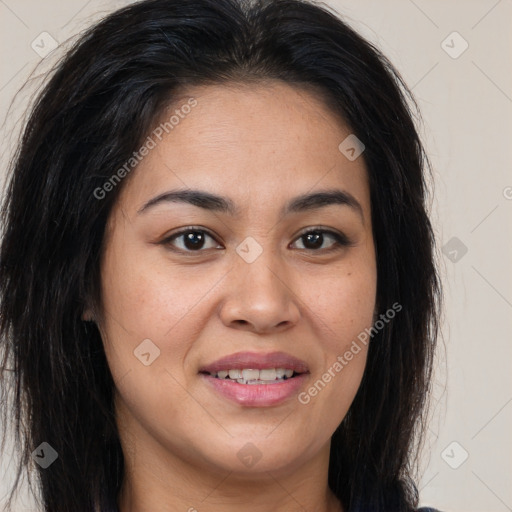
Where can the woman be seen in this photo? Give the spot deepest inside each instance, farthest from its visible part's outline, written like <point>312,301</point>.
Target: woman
<point>217,269</point>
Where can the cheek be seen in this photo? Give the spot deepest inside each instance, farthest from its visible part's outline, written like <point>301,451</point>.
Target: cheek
<point>143,292</point>
<point>147,298</point>
<point>148,311</point>
<point>343,305</point>
<point>342,312</point>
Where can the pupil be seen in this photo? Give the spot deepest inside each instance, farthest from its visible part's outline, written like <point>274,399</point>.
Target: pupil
<point>316,238</point>
<point>194,239</point>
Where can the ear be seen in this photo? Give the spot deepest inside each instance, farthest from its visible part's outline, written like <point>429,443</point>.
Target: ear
<point>88,316</point>
<point>376,310</point>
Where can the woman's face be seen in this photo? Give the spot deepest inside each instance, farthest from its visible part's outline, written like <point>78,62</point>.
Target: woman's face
<point>245,287</point>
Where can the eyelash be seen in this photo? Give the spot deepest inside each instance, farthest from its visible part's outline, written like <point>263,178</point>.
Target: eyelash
<point>341,240</point>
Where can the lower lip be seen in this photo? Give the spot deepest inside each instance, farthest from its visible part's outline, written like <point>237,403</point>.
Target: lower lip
<point>257,395</point>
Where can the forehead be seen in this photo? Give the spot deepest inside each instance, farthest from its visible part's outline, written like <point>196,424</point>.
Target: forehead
<point>260,141</point>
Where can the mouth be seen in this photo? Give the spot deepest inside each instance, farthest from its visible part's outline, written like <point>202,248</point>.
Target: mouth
<point>256,380</point>
<point>252,376</point>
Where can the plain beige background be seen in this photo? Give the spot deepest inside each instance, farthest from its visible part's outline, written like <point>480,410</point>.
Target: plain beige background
<point>457,58</point>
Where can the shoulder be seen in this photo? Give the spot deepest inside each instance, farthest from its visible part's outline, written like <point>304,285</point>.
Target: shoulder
<point>427,509</point>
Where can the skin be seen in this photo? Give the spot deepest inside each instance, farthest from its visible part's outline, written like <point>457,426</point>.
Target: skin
<point>260,145</point>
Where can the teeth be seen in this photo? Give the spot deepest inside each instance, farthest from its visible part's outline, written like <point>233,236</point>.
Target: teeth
<point>252,376</point>
<point>268,374</point>
<point>234,374</point>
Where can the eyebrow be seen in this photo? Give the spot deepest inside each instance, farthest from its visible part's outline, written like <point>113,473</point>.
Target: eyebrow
<point>212,202</point>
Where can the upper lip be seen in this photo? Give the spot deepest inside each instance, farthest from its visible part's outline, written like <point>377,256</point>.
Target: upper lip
<point>256,361</point>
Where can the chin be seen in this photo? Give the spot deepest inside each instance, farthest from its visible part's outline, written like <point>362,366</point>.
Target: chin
<point>252,455</point>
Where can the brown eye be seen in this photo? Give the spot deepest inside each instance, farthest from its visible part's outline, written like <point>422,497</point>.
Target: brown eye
<point>314,239</point>
<point>190,240</point>
<point>196,240</point>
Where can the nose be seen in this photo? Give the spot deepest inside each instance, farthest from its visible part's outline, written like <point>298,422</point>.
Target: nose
<point>260,297</point>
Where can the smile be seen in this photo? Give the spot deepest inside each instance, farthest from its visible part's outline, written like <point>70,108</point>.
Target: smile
<point>252,376</point>
<point>256,392</point>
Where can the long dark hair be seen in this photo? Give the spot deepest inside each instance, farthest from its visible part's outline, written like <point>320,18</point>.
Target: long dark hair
<point>97,108</point>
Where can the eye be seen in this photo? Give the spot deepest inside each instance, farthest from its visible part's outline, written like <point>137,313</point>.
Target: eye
<point>315,238</point>
<point>193,240</point>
